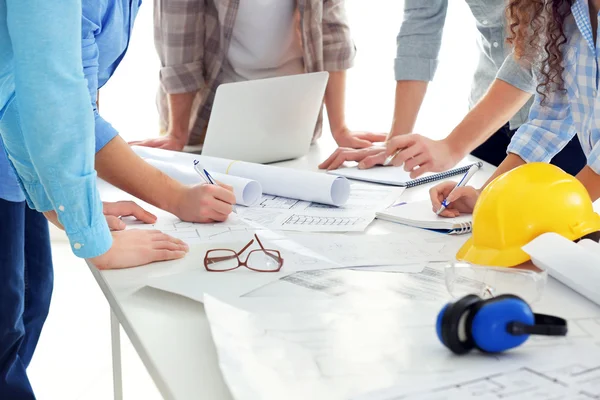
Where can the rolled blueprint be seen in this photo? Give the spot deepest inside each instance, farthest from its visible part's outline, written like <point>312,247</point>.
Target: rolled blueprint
<point>278,181</point>
<point>247,192</point>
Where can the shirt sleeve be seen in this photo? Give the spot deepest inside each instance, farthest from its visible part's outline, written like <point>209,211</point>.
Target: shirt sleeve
<point>179,40</point>
<point>104,132</point>
<point>517,74</point>
<point>56,119</point>
<point>420,39</point>
<point>549,129</point>
<point>338,47</point>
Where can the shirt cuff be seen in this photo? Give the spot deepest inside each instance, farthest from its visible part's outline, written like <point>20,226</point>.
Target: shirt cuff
<point>91,242</point>
<point>104,132</point>
<point>415,69</point>
<point>184,78</point>
<point>525,148</point>
<point>339,60</point>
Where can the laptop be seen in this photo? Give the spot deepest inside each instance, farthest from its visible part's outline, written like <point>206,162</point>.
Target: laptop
<point>265,120</point>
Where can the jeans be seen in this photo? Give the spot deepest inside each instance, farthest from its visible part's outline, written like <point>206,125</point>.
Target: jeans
<point>571,159</point>
<point>26,280</point>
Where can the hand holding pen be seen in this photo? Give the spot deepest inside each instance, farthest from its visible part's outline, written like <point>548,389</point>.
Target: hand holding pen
<point>207,178</point>
<point>450,199</point>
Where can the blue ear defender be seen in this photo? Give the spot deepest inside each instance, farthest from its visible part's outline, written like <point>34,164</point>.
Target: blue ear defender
<point>493,325</point>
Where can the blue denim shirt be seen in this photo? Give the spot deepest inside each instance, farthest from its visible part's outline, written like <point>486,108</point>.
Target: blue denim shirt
<point>420,39</point>
<point>46,115</point>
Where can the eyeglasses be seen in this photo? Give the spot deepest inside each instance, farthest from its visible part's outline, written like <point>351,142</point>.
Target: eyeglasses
<point>263,260</point>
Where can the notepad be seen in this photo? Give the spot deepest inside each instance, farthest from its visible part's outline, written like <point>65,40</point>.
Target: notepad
<point>397,176</point>
<point>420,215</point>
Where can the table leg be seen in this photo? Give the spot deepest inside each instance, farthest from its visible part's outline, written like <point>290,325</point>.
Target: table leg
<point>115,334</point>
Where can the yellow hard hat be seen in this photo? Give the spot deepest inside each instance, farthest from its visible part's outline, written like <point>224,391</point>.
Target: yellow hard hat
<point>522,204</point>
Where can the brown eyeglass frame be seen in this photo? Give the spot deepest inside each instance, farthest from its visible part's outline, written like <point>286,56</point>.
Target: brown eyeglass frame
<point>271,253</point>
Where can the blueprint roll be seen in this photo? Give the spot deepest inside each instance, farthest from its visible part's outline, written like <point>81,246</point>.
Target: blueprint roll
<point>247,192</point>
<point>286,182</point>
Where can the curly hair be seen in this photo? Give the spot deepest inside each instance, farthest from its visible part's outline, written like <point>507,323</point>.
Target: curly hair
<point>536,30</point>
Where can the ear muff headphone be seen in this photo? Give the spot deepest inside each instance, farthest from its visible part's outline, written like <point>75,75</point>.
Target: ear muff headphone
<point>492,325</point>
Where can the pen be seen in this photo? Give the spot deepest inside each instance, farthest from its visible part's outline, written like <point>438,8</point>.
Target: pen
<point>463,182</point>
<point>391,158</point>
<point>206,176</point>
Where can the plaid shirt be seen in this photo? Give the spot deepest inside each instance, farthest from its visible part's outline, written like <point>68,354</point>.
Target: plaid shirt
<point>573,112</point>
<point>192,46</point>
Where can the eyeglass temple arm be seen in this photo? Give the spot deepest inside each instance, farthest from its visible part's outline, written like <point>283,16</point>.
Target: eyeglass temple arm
<point>276,258</point>
<point>231,257</point>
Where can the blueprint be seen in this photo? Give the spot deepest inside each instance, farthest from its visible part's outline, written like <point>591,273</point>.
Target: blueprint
<point>338,352</point>
<point>280,213</point>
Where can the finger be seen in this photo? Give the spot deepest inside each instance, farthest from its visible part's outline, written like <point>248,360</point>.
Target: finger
<point>169,245</point>
<point>350,155</point>
<point>423,169</point>
<point>329,159</point>
<point>373,137</point>
<point>225,186</point>
<point>163,237</point>
<point>406,154</point>
<point>371,161</point>
<point>360,143</point>
<point>221,207</point>
<point>414,162</point>
<point>216,216</point>
<point>399,142</point>
<point>222,194</point>
<point>114,223</point>
<point>129,208</point>
<point>166,255</point>
<point>436,201</point>
<point>458,193</point>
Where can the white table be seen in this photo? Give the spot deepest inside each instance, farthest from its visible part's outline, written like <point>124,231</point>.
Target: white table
<point>172,336</point>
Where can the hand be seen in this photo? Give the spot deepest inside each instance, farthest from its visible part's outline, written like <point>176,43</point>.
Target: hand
<point>205,203</point>
<point>168,142</point>
<point>461,201</point>
<point>113,212</point>
<point>357,140</point>
<point>343,154</point>
<point>136,247</point>
<point>419,154</point>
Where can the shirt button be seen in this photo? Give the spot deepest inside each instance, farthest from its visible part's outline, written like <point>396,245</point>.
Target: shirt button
<point>484,22</point>
<point>61,208</point>
<point>495,44</point>
<point>77,246</point>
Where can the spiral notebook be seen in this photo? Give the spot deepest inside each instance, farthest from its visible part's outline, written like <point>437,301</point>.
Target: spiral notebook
<point>397,176</point>
<point>420,215</point>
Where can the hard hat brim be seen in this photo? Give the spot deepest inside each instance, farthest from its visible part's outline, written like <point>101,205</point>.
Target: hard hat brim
<point>491,257</point>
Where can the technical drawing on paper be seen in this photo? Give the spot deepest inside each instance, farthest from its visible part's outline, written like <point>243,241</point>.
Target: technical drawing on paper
<point>577,381</point>
<point>309,220</point>
<point>335,352</point>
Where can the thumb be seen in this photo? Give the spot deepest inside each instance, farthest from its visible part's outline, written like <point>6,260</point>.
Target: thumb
<point>225,186</point>
<point>361,143</point>
<point>114,223</point>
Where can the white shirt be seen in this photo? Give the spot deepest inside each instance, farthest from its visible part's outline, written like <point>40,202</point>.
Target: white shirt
<point>264,42</point>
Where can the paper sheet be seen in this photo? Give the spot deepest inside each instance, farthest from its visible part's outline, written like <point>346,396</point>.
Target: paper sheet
<point>285,182</point>
<point>196,281</point>
<point>280,213</point>
<point>247,192</point>
<point>336,352</point>
<point>575,265</point>
<point>555,380</point>
<point>373,250</point>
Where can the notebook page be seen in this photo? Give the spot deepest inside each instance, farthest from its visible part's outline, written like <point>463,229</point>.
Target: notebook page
<point>420,214</point>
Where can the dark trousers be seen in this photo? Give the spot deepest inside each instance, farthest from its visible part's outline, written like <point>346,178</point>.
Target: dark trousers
<point>571,159</point>
<point>26,280</point>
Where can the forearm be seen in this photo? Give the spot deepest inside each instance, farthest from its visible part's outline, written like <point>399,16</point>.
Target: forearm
<point>409,98</point>
<point>335,101</point>
<point>511,162</point>
<point>117,164</point>
<point>180,112</point>
<point>591,181</point>
<point>494,110</point>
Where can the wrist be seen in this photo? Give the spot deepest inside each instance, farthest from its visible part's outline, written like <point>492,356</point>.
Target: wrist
<point>175,199</point>
<point>455,149</point>
<point>180,135</point>
<point>338,131</point>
